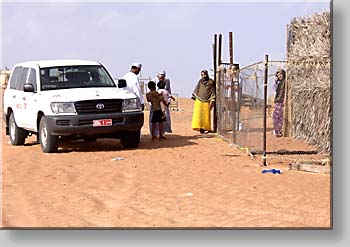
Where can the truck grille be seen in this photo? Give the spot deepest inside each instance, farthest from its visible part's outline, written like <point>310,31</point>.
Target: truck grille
<point>99,106</point>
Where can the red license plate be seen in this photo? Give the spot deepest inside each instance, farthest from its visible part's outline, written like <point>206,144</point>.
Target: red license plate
<point>102,122</point>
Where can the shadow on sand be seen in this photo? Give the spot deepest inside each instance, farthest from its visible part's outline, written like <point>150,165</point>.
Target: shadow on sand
<point>112,145</point>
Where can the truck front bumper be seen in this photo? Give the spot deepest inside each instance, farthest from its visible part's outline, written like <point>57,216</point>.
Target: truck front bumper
<point>83,124</point>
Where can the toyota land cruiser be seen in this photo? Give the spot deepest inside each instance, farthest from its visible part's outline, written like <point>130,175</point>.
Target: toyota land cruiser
<point>78,98</point>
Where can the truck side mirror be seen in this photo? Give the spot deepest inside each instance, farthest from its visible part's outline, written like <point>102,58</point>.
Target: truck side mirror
<point>28,88</point>
<point>121,83</point>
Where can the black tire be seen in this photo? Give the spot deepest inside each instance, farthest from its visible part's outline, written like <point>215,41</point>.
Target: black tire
<point>49,143</point>
<point>17,135</point>
<point>131,139</point>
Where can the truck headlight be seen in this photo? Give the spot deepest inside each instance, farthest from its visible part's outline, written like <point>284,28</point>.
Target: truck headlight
<point>62,107</point>
<point>131,105</point>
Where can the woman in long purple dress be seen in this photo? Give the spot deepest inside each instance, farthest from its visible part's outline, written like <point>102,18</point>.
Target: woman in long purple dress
<point>279,102</point>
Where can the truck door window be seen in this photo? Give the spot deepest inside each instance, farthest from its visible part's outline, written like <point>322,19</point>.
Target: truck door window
<point>14,78</point>
<point>32,78</point>
<point>22,80</point>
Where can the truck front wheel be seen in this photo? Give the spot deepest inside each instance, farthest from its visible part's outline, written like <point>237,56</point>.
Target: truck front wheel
<point>131,139</point>
<point>49,143</point>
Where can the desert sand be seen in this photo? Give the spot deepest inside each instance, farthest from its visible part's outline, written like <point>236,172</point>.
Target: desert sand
<point>188,180</point>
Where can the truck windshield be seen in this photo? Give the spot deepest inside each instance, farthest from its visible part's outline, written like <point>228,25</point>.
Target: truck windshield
<point>64,77</point>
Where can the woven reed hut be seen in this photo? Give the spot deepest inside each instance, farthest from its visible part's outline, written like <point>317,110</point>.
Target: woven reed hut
<point>308,113</point>
<point>4,77</point>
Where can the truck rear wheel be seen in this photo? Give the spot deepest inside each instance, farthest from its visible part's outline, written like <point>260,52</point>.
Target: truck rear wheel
<point>17,135</point>
<point>131,139</point>
<point>49,143</point>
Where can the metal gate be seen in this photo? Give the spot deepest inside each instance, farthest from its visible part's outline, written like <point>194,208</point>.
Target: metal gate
<point>240,103</point>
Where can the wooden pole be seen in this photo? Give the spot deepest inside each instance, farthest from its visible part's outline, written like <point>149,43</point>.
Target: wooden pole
<point>265,106</point>
<point>218,86</point>
<point>220,47</point>
<point>215,120</point>
<point>214,55</point>
<point>231,48</point>
<point>287,116</point>
<point>233,104</point>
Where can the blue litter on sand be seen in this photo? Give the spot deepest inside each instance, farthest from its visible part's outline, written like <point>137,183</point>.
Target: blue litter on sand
<point>273,171</point>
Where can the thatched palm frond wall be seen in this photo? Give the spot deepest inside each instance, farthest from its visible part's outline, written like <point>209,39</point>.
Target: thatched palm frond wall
<point>309,81</point>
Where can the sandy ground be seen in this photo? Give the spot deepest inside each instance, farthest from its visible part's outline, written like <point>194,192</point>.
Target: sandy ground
<point>188,180</point>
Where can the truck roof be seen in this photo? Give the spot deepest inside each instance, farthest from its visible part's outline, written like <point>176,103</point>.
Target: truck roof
<point>59,62</point>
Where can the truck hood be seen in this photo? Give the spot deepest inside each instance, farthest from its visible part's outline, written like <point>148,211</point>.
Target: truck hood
<point>78,94</point>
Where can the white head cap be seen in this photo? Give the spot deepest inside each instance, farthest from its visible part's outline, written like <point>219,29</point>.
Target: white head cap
<point>161,73</point>
<point>137,65</point>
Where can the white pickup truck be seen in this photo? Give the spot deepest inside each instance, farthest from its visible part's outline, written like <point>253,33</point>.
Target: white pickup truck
<point>76,98</point>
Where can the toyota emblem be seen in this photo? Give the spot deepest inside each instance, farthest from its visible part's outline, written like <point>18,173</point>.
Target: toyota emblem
<point>100,106</point>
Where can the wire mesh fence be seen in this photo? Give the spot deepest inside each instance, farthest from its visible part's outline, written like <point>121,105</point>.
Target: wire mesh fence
<point>240,107</point>
<point>245,97</point>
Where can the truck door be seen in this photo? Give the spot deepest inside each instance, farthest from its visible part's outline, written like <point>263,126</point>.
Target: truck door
<point>19,102</point>
<point>30,106</point>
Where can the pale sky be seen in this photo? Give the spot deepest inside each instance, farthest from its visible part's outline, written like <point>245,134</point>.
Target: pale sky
<point>172,36</point>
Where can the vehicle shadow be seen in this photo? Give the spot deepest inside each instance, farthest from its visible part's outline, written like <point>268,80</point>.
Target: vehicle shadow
<point>112,145</point>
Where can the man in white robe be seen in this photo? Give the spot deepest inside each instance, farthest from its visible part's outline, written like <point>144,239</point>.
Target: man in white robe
<point>132,82</point>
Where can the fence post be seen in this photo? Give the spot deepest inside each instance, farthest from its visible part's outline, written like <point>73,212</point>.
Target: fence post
<point>218,88</point>
<point>265,106</point>
<point>220,45</point>
<point>287,116</point>
<point>235,107</point>
<point>215,120</point>
<point>231,48</point>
